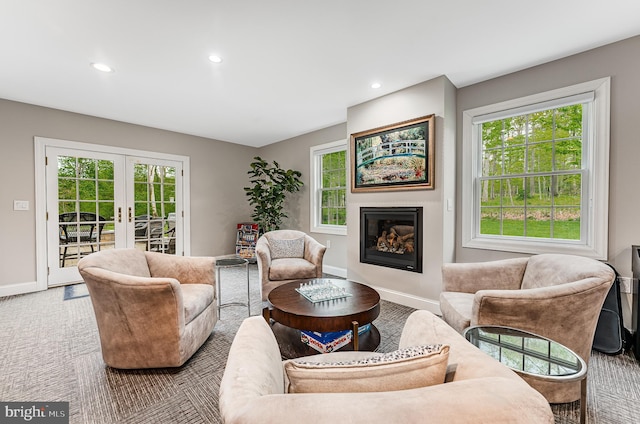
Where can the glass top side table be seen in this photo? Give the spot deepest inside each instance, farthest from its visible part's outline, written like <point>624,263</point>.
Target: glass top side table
<point>531,354</point>
<point>229,262</point>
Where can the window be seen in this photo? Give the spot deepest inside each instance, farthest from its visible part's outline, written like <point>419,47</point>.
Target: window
<point>329,188</point>
<point>536,171</point>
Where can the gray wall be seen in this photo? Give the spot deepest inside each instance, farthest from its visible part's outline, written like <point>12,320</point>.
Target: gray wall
<point>218,173</point>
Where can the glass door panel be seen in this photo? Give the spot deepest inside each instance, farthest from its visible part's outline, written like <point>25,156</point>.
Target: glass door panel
<point>81,197</point>
<point>155,196</point>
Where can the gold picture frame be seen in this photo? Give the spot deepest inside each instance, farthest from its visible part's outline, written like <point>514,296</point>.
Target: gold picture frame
<point>399,156</point>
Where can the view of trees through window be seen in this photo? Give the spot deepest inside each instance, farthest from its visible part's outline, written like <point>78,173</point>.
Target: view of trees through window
<point>87,185</point>
<point>155,190</point>
<point>334,184</point>
<point>531,177</point>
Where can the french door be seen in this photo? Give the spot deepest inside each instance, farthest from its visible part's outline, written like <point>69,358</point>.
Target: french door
<point>98,200</point>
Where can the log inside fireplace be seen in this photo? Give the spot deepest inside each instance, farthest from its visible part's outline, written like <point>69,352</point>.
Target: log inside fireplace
<point>391,237</point>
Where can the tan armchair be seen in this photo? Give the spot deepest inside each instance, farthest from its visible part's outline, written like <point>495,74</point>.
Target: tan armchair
<point>555,296</point>
<point>153,310</point>
<point>287,255</point>
<point>255,387</point>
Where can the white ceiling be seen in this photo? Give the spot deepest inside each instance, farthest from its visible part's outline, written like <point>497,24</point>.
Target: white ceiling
<point>290,66</point>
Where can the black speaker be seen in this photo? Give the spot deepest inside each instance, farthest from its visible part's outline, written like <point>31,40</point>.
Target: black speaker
<point>635,268</point>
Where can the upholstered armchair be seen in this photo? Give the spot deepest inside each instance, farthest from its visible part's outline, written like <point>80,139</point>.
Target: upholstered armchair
<point>455,383</point>
<point>552,295</point>
<point>153,310</point>
<point>287,255</point>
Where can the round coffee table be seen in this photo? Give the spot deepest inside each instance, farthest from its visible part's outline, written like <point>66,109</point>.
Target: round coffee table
<point>532,355</point>
<point>292,312</point>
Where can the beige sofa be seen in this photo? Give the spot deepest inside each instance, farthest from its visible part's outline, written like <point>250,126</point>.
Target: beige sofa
<point>287,255</point>
<point>478,388</point>
<point>554,296</point>
<point>153,310</point>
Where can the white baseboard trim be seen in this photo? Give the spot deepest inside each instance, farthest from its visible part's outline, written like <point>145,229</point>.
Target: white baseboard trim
<point>19,288</point>
<point>333,270</point>
<point>409,300</point>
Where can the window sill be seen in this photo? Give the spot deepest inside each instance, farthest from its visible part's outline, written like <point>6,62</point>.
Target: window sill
<point>339,230</point>
<point>534,247</point>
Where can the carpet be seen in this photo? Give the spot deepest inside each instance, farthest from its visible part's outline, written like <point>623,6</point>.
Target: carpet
<point>50,351</point>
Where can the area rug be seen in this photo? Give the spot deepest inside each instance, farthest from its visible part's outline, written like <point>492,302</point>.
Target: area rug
<point>75,291</point>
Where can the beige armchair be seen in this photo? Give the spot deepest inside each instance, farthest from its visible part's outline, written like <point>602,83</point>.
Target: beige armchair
<point>555,296</point>
<point>153,310</point>
<point>287,255</point>
<point>255,387</point>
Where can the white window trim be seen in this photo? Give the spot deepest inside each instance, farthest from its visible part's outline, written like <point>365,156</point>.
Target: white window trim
<point>315,154</point>
<point>596,214</point>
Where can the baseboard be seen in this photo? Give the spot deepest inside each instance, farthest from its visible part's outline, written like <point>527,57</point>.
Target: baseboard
<point>409,300</point>
<point>333,270</point>
<point>20,288</point>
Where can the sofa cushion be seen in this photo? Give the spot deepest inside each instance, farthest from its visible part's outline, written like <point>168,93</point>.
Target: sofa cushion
<point>457,307</point>
<point>286,248</point>
<point>409,368</point>
<point>196,298</point>
<point>291,269</point>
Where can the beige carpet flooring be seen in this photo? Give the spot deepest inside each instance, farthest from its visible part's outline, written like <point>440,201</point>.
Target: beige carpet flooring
<point>50,351</point>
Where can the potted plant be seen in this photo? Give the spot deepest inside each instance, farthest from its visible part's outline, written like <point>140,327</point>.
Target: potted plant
<point>270,185</point>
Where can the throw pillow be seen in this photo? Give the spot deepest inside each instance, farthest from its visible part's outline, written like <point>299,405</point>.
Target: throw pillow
<point>409,368</point>
<point>286,248</point>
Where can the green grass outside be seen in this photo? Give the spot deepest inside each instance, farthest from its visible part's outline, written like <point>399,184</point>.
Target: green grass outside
<point>569,230</point>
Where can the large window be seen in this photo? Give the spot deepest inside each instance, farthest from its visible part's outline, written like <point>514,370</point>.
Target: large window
<point>329,188</point>
<point>535,173</point>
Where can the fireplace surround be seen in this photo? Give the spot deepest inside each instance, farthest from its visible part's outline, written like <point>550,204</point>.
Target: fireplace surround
<point>391,237</point>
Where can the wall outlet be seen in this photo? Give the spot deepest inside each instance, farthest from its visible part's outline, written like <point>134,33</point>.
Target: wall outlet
<point>328,244</point>
<point>625,284</point>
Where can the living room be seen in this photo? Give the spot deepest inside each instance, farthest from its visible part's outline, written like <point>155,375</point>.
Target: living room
<point>218,172</point>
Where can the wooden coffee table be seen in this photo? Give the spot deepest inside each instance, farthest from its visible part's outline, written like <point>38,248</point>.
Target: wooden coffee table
<point>293,312</point>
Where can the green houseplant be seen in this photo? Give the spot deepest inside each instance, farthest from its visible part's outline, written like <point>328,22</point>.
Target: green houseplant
<point>270,186</point>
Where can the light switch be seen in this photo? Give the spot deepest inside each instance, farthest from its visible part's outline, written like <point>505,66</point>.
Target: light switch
<point>20,205</point>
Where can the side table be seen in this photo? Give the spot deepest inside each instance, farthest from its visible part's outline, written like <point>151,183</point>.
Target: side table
<point>533,355</point>
<point>229,262</point>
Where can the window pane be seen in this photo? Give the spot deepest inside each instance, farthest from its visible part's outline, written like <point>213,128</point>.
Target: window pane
<point>513,222</point>
<point>333,188</point>
<point>538,222</point>
<point>490,221</point>
<point>546,205</point>
<point>539,157</point>
<point>514,159</point>
<point>87,190</point>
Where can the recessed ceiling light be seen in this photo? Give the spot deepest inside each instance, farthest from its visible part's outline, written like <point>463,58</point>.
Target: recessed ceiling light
<point>376,85</point>
<point>102,67</point>
<point>215,59</point>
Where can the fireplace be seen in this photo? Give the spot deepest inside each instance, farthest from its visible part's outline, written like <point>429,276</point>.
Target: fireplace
<point>392,237</point>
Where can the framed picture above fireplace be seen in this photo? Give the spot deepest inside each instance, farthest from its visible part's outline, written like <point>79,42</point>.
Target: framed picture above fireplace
<point>399,156</point>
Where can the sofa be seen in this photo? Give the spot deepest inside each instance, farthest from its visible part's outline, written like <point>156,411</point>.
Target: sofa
<point>552,295</point>
<point>256,387</point>
<point>153,310</point>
